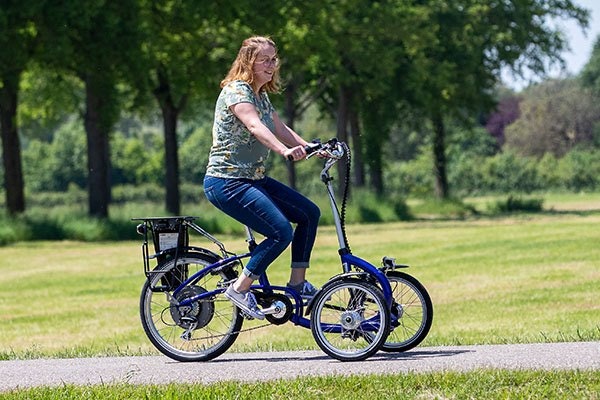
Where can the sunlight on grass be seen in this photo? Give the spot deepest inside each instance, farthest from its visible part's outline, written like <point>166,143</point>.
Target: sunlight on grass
<point>499,280</point>
<point>484,384</point>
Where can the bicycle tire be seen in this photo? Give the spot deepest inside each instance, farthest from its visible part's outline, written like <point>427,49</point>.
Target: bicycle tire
<point>170,327</point>
<point>350,320</point>
<point>413,307</point>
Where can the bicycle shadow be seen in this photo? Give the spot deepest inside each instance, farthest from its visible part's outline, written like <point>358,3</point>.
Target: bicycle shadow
<point>413,355</point>
<point>418,354</point>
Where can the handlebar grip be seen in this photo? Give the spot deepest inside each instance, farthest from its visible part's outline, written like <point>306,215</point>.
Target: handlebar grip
<point>309,149</point>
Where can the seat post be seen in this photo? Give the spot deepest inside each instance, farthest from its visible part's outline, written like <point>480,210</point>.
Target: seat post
<point>250,239</point>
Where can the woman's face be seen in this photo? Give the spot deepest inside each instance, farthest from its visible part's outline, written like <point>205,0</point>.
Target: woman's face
<point>265,65</point>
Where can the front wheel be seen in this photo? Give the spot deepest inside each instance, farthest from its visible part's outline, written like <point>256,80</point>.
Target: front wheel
<point>184,330</point>
<point>412,313</point>
<point>350,320</point>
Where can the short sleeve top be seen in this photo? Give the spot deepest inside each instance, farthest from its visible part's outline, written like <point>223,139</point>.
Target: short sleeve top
<point>235,152</point>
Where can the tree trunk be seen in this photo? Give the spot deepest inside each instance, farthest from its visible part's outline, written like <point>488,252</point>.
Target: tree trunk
<point>439,157</point>
<point>376,169</point>
<point>11,146</point>
<point>357,153</point>
<point>98,152</point>
<point>374,154</point>
<point>172,160</point>
<point>342,131</point>
<point>170,113</point>
<point>290,115</point>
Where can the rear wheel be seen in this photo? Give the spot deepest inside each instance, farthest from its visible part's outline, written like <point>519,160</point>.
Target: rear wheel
<point>184,330</point>
<point>350,319</point>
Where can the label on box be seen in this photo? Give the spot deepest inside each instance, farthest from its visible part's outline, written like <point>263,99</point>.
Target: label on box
<point>167,240</point>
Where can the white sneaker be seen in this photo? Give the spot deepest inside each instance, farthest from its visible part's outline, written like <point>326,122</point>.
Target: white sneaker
<point>305,289</point>
<point>244,301</point>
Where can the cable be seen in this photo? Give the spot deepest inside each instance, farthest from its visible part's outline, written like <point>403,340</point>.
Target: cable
<point>345,195</point>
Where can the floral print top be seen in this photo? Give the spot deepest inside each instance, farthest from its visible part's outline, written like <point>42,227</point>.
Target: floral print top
<point>235,152</point>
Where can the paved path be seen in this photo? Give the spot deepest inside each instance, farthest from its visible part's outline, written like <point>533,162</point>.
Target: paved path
<point>275,365</point>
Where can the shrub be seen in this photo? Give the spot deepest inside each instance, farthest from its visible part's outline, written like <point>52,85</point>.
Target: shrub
<point>450,208</point>
<point>517,203</point>
<point>410,179</point>
<point>580,170</point>
<point>507,172</point>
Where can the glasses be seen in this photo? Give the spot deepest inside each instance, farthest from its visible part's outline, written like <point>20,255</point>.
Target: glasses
<point>268,61</point>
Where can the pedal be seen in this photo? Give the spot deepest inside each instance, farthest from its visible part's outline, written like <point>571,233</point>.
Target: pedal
<point>246,316</point>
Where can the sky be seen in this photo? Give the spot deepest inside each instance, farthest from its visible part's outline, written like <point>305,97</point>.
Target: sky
<point>581,43</point>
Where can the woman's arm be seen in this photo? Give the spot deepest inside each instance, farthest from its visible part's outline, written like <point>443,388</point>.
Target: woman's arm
<point>246,112</point>
<point>287,134</point>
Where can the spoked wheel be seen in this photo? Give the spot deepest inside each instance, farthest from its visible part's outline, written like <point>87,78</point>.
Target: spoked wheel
<point>184,330</point>
<point>412,313</point>
<point>350,320</point>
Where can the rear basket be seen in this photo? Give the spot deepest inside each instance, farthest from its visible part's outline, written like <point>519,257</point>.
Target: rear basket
<point>169,233</point>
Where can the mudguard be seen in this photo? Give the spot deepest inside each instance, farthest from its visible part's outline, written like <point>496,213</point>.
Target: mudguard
<point>348,275</point>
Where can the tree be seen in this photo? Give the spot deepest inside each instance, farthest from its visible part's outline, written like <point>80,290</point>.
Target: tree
<point>556,116</point>
<point>362,47</point>
<point>186,55</point>
<point>303,82</point>
<point>18,41</point>
<point>590,75</point>
<point>99,43</point>
<point>59,164</point>
<point>457,73</point>
<point>507,111</point>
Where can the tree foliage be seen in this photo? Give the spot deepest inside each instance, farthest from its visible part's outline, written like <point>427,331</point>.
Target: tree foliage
<point>371,64</point>
<point>506,112</point>
<point>556,116</point>
<point>590,75</point>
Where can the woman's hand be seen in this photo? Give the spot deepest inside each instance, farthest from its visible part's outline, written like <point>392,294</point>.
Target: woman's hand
<point>295,153</point>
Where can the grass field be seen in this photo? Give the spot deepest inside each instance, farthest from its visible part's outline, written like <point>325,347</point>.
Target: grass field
<point>487,384</point>
<point>525,278</point>
<point>511,279</point>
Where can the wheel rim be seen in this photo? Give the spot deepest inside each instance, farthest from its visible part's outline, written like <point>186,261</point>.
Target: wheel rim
<point>198,330</point>
<point>350,320</point>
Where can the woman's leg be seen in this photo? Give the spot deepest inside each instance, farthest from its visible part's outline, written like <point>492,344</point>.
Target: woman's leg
<point>247,202</point>
<point>302,211</point>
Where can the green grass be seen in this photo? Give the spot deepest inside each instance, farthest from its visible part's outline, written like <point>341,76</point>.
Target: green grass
<point>486,384</point>
<point>505,279</point>
<point>525,278</point>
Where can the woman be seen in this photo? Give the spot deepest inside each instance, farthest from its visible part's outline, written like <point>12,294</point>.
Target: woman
<point>246,128</point>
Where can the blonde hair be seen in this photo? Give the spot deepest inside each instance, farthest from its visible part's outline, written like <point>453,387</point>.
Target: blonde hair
<point>241,69</point>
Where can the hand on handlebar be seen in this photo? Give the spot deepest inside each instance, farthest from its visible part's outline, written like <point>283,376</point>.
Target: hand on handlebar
<point>329,149</point>
<point>295,153</point>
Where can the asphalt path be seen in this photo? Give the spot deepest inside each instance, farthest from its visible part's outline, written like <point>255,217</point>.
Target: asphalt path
<point>18,374</point>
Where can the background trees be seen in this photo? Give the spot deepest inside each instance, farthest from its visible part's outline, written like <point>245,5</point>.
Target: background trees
<point>555,117</point>
<point>19,42</point>
<point>386,72</point>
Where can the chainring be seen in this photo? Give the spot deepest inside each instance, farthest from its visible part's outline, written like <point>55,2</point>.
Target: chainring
<point>266,300</point>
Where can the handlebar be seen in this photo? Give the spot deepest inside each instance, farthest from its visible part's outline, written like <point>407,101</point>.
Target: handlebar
<point>330,149</point>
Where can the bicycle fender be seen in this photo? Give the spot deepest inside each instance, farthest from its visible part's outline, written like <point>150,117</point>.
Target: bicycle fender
<point>334,279</point>
<point>187,249</point>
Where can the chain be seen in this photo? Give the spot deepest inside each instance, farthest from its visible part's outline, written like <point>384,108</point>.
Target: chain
<point>224,334</point>
<point>231,333</point>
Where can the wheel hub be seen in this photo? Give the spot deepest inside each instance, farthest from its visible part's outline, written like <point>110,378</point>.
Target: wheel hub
<point>350,320</point>
<point>198,312</point>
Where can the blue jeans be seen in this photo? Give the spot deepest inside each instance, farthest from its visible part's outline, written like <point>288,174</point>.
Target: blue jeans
<point>268,207</point>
